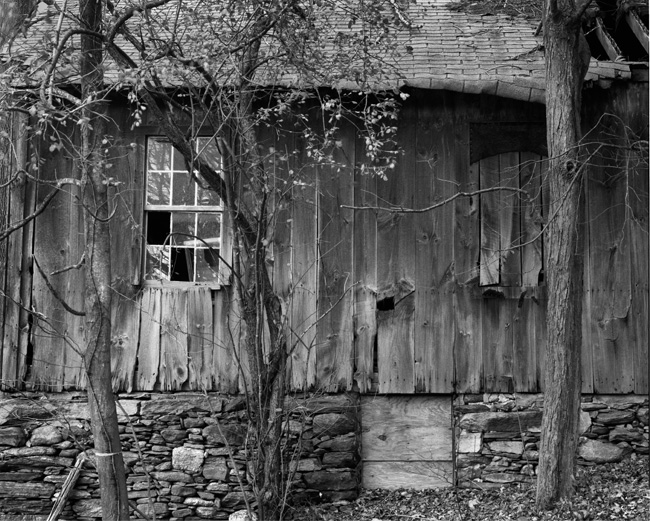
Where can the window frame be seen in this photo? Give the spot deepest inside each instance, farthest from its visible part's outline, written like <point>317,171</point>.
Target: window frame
<point>222,271</point>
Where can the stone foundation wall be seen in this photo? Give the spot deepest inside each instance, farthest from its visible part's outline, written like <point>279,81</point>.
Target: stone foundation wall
<point>184,453</point>
<point>497,435</point>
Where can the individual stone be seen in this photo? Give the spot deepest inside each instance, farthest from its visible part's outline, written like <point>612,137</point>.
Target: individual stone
<point>12,436</point>
<point>585,422</point>
<point>46,435</point>
<point>180,404</point>
<point>206,512</point>
<point>182,490</point>
<point>469,442</point>
<point>172,476</point>
<point>42,461</point>
<point>173,435</point>
<point>182,512</point>
<point>642,415</point>
<point>242,515</point>
<point>345,443</point>
<point>305,465</point>
<point>127,410</point>
<point>197,502</point>
<point>30,451</point>
<point>339,460</point>
<point>333,424</point>
<point>510,447</point>
<point>88,508</point>
<point>615,417</point>
<point>324,480</point>
<point>501,421</point>
<point>620,433</point>
<point>218,488</point>
<point>233,499</point>
<point>188,460</point>
<point>530,455</point>
<point>594,406</point>
<point>232,435</point>
<point>193,423</point>
<point>600,452</point>
<point>215,469</point>
<point>153,509</point>
<point>28,490</point>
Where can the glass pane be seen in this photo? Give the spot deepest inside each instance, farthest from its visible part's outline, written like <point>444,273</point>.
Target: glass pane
<point>207,265</point>
<point>158,155</point>
<point>183,189</point>
<point>183,228</point>
<point>209,229</point>
<point>158,227</point>
<point>208,151</point>
<point>179,161</point>
<point>208,198</point>
<point>157,263</point>
<point>182,263</point>
<point>158,188</point>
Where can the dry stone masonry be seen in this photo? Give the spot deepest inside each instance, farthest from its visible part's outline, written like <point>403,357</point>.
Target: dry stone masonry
<point>184,453</point>
<point>497,435</point>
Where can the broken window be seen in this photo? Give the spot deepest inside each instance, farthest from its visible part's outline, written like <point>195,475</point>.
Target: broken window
<point>183,221</point>
<point>509,162</point>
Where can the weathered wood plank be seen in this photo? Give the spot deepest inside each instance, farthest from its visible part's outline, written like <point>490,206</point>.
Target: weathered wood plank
<point>304,272</point>
<point>509,220</point>
<point>125,329</point>
<point>149,340</point>
<point>13,357</point>
<point>468,349</point>
<point>531,219</point>
<point>406,428</point>
<point>527,313</point>
<point>498,318</point>
<point>396,266</point>
<point>418,475</point>
<point>434,271</point>
<point>173,365</point>
<point>395,339</point>
<point>490,228</point>
<point>226,330</point>
<point>200,344</point>
<point>364,268</point>
<point>334,331</point>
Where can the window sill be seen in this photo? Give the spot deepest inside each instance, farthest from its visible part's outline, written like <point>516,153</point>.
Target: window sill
<point>174,284</point>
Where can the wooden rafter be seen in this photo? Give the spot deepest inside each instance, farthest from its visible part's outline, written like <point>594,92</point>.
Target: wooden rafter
<point>638,28</point>
<point>611,48</point>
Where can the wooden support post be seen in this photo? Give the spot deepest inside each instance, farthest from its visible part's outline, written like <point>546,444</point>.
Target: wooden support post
<point>68,487</point>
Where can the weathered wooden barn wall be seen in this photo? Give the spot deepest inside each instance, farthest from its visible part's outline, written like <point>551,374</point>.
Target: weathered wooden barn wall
<point>434,302</point>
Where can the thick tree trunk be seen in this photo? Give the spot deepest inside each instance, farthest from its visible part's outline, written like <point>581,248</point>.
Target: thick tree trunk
<point>97,359</point>
<point>566,61</point>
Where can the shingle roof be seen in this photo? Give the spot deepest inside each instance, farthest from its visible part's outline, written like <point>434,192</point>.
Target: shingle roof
<point>440,47</point>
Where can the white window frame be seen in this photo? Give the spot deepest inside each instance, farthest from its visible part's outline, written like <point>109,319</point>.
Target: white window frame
<point>175,209</point>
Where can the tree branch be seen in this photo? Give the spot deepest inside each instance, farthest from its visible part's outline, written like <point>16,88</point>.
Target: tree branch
<point>55,293</point>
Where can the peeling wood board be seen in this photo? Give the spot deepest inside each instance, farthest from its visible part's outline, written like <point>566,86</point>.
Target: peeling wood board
<point>304,273</point>
<point>226,331</point>
<point>396,266</point>
<point>334,335</point>
<point>13,357</point>
<point>532,214</point>
<point>200,338</point>
<point>489,222</point>
<point>52,247</point>
<point>149,340</point>
<point>125,329</point>
<point>436,163</point>
<point>394,346</point>
<point>498,323</point>
<point>509,220</point>
<point>173,364</point>
<point>364,269</point>
<point>468,345</point>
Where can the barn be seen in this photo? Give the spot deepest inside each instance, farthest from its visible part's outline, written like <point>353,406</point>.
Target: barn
<point>419,298</point>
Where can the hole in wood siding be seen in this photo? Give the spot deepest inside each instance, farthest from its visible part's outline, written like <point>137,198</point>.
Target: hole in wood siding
<point>386,304</point>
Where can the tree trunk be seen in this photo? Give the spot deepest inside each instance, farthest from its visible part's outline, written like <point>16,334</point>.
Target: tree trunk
<point>567,60</point>
<point>97,359</point>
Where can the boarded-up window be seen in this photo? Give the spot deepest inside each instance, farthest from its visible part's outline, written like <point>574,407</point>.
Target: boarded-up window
<point>510,160</point>
<point>183,221</point>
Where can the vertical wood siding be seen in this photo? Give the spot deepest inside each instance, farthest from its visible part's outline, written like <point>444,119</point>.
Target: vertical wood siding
<point>431,302</point>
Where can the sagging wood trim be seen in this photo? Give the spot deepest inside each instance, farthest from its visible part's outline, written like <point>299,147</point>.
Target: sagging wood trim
<point>638,29</point>
<point>608,43</point>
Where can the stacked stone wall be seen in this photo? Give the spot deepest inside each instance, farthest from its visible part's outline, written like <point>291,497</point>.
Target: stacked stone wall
<point>185,453</point>
<point>497,435</point>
